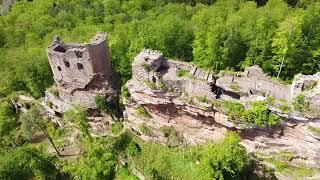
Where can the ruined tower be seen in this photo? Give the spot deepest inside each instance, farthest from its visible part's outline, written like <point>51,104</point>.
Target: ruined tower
<point>83,71</point>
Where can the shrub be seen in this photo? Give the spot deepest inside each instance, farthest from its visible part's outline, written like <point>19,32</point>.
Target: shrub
<point>191,101</point>
<point>125,92</point>
<point>104,106</point>
<point>54,91</point>
<point>166,130</point>
<point>260,115</point>
<point>234,110</point>
<point>141,112</point>
<point>173,137</point>
<point>183,73</point>
<point>257,114</point>
<point>116,128</point>
<point>226,160</point>
<point>133,149</point>
<point>97,163</point>
<point>299,104</point>
<point>27,163</point>
<point>49,104</point>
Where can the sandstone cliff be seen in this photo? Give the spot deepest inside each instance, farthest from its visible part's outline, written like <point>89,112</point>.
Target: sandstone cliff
<point>170,96</point>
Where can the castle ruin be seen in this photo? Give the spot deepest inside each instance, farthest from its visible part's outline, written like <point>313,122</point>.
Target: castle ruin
<point>82,71</point>
<point>185,98</point>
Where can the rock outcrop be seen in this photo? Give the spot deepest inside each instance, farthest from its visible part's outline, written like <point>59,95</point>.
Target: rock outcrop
<point>178,95</point>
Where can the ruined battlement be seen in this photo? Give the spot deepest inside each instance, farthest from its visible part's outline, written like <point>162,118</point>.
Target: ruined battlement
<point>75,64</point>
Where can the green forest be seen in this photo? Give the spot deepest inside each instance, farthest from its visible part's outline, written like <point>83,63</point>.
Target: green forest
<point>281,36</point>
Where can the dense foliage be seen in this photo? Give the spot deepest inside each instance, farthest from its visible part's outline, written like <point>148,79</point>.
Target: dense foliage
<point>215,34</point>
<point>257,113</point>
<point>226,159</point>
<point>27,163</point>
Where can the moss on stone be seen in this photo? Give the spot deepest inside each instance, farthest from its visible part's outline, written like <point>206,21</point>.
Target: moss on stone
<point>141,112</point>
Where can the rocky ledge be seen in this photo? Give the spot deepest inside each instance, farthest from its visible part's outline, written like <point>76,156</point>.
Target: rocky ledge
<point>177,103</point>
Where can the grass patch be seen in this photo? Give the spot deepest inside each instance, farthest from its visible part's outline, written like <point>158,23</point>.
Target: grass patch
<point>124,173</point>
<point>287,169</point>
<point>54,91</point>
<point>202,99</point>
<point>281,162</point>
<point>125,92</point>
<point>299,104</point>
<point>183,73</point>
<point>151,85</point>
<point>235,86</point>
<point>116,127</point>
<point>49,104</point>
<point>314,130</point>
<point>308,86</point>
<point>141,112</point>
<point>163,85</point>
<point>147,67</point>
<point>285,108</point>
<point>145,129</point>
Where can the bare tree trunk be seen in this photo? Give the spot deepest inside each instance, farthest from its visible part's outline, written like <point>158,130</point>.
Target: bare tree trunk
<point>280,67</point>
<point>50,139</point>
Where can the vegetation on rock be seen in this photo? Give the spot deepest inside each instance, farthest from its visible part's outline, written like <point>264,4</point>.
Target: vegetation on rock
<point>141,112</point>
<point>258,112</point>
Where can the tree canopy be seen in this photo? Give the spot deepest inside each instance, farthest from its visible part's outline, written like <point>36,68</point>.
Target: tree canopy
<point>280,36</point>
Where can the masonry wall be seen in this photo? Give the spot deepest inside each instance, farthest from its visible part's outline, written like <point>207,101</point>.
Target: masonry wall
<point>82,71</point>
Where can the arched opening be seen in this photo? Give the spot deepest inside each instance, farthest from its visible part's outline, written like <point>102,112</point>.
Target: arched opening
<point>154,79</point>
<point>80,66</point>
<point>60,49</point>
<point>79,54</point>
<point>66,63</point>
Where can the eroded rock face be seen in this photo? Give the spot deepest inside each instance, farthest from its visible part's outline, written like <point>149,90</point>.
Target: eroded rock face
<point>82,71</point>
<point>179,95</point>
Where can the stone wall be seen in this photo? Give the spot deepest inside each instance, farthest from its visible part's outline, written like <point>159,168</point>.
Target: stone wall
<point>254,81</point>
<point>83,71</point>
<point>199,88</point>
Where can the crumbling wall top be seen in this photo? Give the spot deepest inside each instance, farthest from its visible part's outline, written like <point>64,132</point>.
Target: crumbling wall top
<point>254,72</point>
<point>58,46</point>
<point>151,58</point>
